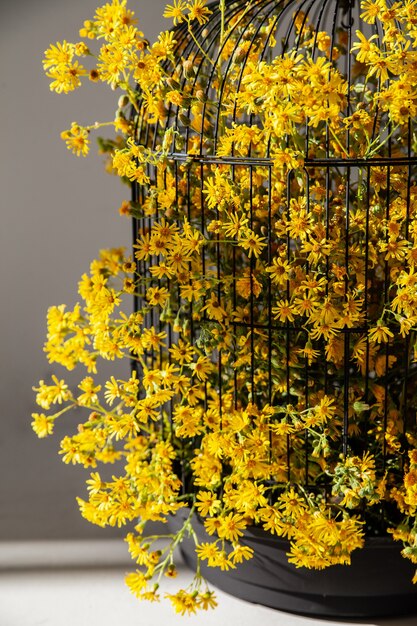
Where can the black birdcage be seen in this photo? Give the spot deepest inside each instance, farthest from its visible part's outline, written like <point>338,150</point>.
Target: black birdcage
<point>295,294</point>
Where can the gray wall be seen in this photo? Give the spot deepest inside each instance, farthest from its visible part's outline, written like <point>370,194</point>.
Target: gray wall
<point>57,211</point>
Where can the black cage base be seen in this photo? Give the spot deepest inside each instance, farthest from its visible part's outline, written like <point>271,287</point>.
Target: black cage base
<point>376,584</point>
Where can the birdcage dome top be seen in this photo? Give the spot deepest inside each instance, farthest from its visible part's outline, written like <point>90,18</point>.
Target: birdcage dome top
<point>284,66</point>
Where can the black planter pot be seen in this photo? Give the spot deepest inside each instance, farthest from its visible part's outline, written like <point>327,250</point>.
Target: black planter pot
<point>377,583</point>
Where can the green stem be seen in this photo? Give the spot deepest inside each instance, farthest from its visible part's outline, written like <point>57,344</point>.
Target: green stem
<point>134,358</point>
<point>370,152</point>
<point>132,98</point>
<point>97,125</point>
<point>223,19</point>
<point>177,539</point>
<point>67,408</point>
<point>197,43</point>
<point>337,140</point>
<point>310,502</point>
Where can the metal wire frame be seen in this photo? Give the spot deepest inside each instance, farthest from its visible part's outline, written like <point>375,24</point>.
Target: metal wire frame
<point>326,15</point>
<point>198,157</point>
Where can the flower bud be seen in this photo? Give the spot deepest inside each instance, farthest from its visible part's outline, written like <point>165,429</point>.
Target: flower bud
<point>142,44</point>
<point>173,84</point>
<point>123,101</point>
<point>171,571</point>
<point>201,96</point>
<point>188,68</point>
<point>179,142</point>
<point>184,119</point>
<point>94,75</point>
<point>239,55</point>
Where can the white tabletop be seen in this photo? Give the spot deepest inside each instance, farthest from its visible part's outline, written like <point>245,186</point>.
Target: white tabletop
<point>90,591</point>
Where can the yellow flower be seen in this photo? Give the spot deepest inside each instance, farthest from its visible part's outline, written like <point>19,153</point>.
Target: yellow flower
<point>394,249</point>
<point>66,78</point>
<point>182,352</point>
<point>95,484</point>
<point>164,46</point>
<point>89,397</point>
<point>283,311</point>
<point>213,308</point>
<point>208,552</point>
<point>184,602</point>
<point>61,54</point>
<point>381,65</point>
<point>137,582</point>
<point>161,271</point>
<point>306,305</point>
<point>300,222</point>
<point>234,226</point>
<point>77,139</point>
<point>112,18</point>
<point>176,11</point>
<point>146,411</point>
<point>291,504</point>
<point>143,247</point>
<point>51,394</point>
<point>80,49</point>
<point>153,339</point>
<point>325,410</point>
<point>364,46</point>
<point>157,296</point>
<point>371,9</point>
<point>187,421</point>
<point>112,390</point>
<point>112,62</point>
<point>202,367</point>
<point>241,554</point>
<point>252,242</point>
<point>208,503</point>
<point>279,270</point>
<point>380,333</point>
<point>198,11</point>
<point>224,562</point>
<point>207,600</point>
<point>42,425</point>
<point>231,527</point>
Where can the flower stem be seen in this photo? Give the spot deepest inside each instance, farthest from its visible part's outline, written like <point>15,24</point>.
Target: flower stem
<point>197,43</point>
<point>223,19</point>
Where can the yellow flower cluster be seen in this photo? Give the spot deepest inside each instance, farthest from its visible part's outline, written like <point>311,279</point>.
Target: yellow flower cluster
<point>355,481</point>
<point>406,499</point>
<point>257,281</point>
<point>182,10</point>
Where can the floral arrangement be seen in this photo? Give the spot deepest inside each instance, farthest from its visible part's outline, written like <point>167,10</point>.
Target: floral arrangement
<point>273,341</point>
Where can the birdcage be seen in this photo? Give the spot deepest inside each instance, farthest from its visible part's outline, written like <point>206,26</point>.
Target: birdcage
<point>275,230</point>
